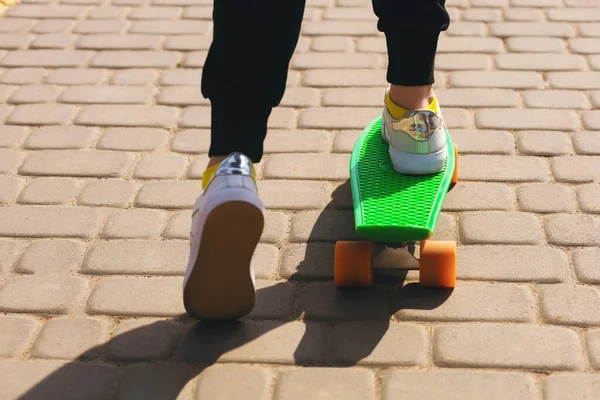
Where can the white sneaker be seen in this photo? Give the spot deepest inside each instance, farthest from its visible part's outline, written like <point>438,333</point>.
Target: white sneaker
<point>417,141</point>
<point>227,223</point>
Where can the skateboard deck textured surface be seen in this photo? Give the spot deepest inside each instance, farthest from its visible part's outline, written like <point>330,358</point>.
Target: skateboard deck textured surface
<point>389,206</point>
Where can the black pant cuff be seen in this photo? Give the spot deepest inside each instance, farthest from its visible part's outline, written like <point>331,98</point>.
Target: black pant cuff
<point>411,57</point>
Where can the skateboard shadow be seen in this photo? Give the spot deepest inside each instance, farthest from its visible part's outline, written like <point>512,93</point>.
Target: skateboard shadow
<point>304,321</point>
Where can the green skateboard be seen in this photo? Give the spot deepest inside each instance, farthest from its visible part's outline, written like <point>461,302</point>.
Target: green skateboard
<point>395,209</point>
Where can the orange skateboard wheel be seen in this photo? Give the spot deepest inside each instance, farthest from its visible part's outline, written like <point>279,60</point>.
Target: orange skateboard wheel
<point>352,264</point>
<point>455,174</point>
<point>438,263</point>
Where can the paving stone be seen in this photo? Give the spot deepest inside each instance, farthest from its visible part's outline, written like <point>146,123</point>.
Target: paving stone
<point>274,300</point>
<point>332,44</point>
<point>15,335</point>
<point>322,226</point>
<point>540,61</point>
<point>53,41</point>
<point>51,256</point>
<point>198,165</point>
<point>154,297</point>
<point>574,80</point>
<point>545,198</point>
<point>591,120</point>
<point>187,42</point>
<point>134,224</point>
<point>535,44</point>
<point>100,26</point>
<point>137,257</point>
<point>10,187</point>
<point>478,98</point>
<point>588,197</point>
<point>477,141</point>
<point>256,342</point>
<point>573,14</point>
<point>251,382</point>
<point>574,386</point>
<point>71,76</point>
<point>142,340</point>
<point>22,76</point>
<point>501,227</point>
<point>12,136</point>
<point>49,191</point>
<point>572,229</point>
<point>166,27</point>
<point>10,160</point>
<point>593,344</point>
<point>457,385</point>
<point>462,61</point>
<point>266,260</point>
<point>294,384</point>
<point>45,294</point>
<point>540,119</point>
<point>54,26</point>
<point>16,25</point>
<point>496,79</point>
<point>135,59</point>
<point>589,29</point>
<point>9,251</point>
<point>354,97</point>
<point>107,95</point>
<point>343,77</point>
<point>42,11</point>
<point>13,41</point>
<point>295,141</point>
<point>70,338</point>
<point>77,163</point>
<point>181,96</point>
<point>466,29</point>
<point>472,196</point>
<point>107,193</point>
<point>574,305</point>
<point>45,58</point>
<point>543,29</point>
<point>178,226</point>
<point>155,13</point>
<point>585,264</point>
<point>136,77</point>
<point>168,194</point>
<point>577,169</point>
<point>35,94</point>
<point>335,60</point>
<point>296,166</point>
<point>132,139</point>
<point>194,59</point>
<point>507,346</point>
<point>507,303</point>
<point>465,44</point>
<point>60,138</point>
<point>128,115</point>
<point>181,77</point>
<point>543,143</point>
<point>55,380</point>
<point>324,302</point>
<point>305,261</point>
<point>160,166</point>
<point>512,263</point>
<point>496,168</point>
<point>153,381</point>
<point>41,114</point>
<point>555,99</point>
<point>288,195</point>
<point>49,221</point>
<point>301,97</point>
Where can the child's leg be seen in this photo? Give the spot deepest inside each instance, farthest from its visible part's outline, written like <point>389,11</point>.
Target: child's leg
<point>411,28</point>
<point>412,122</point>
<point>246,70</point>
<point>244,77</point>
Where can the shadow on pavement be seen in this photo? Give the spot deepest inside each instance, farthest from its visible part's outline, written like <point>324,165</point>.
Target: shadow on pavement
<point>323,326</point>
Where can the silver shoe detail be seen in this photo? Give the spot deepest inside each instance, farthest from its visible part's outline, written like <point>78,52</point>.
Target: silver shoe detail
<point>235,164</point>
<point>419,124</point>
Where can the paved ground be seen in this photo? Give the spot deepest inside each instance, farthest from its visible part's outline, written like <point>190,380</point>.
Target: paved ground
<point>104,140</point>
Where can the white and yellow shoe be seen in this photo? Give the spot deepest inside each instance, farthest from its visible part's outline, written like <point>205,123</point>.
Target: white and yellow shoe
<point>227,223</point>
<point>417,138</point>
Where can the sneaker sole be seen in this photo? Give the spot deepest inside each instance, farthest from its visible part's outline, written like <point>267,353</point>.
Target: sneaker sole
<point>220,285</point>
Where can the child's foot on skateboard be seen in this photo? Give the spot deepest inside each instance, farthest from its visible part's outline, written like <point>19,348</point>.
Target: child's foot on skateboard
<point>227,223</point>
<point>417,138</point>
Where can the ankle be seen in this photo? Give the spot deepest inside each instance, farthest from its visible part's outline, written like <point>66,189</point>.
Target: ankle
<point>412,97</point>
<point>212,161</point>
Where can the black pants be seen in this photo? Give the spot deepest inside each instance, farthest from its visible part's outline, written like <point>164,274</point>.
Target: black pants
<point>254,40</point>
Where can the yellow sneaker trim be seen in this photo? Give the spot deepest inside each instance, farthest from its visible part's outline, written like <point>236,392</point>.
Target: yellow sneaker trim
<point>208,174</point>
<point>398,112</point>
